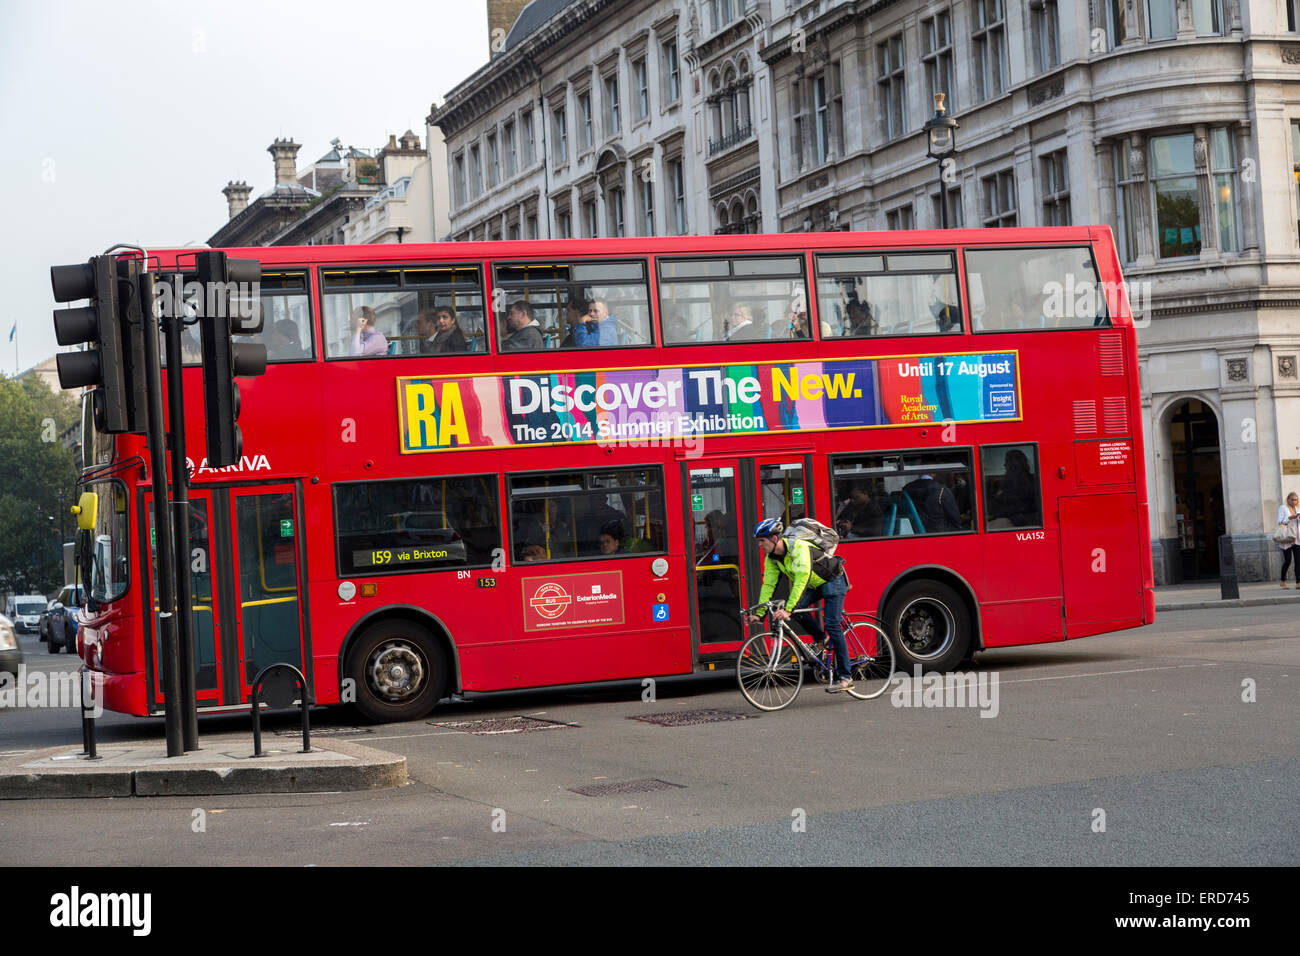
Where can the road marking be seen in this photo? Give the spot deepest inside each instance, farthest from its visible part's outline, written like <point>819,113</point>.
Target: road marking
<point>1136,670</point>
<point>14,753</point>
<point>433,733</point>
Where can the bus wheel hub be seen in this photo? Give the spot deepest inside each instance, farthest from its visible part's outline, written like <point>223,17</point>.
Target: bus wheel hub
<point>396,671</point>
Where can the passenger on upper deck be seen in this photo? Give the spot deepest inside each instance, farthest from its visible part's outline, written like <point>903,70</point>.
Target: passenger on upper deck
<point>440,332</point>
<point>740,327</point>
<point>283,343</point>
<point>366,339</point>
<point>600,328</point>
<point>525,333</point>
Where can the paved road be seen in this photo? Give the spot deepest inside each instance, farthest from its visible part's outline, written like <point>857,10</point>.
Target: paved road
<point>1144,733</point>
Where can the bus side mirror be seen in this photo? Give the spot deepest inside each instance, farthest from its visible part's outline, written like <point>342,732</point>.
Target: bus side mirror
<point>87,510</point>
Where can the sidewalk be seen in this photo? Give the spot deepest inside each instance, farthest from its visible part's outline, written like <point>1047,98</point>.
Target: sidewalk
<point>1186,597</point>
<point>225,765</point>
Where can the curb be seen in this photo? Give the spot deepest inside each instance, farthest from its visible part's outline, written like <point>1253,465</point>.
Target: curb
<point>1234,602</point>
<point>352,768</point>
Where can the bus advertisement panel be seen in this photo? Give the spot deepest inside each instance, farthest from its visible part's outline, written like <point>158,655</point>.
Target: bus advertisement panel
<point>446,413</point>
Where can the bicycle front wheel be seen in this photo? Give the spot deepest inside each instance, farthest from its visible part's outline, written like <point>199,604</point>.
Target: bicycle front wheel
<point>871,658</point>
<point>769,671</point>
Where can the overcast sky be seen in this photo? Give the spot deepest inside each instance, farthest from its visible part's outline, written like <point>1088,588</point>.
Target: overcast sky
<point>123,121</point>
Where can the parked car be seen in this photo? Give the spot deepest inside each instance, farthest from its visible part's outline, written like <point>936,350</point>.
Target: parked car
<point>27,612</point>
<point>11,653</point>
<point>71,596</point>
<point>61,628</point>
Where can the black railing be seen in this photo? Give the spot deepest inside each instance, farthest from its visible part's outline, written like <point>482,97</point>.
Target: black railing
<point>739,135</point>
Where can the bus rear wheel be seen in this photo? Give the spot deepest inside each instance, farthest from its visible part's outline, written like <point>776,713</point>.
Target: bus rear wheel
<point>399,670</point>
<point>931,624</point>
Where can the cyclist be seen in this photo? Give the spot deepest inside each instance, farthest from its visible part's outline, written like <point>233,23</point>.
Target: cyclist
<point>793,558</point>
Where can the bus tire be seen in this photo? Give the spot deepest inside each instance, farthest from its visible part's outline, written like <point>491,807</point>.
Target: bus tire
<point>931,624</point>
<point>399,669</point>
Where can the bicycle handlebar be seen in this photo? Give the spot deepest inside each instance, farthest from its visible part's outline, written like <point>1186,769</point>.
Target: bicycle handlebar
<point>774,606</point>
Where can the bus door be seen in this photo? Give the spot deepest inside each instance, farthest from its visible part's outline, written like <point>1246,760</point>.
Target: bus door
<point>267,559</point>
<point>206,628</point>
<point>725,499</point>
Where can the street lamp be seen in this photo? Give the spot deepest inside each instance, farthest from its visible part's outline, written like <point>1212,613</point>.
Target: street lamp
<point>941,136</point>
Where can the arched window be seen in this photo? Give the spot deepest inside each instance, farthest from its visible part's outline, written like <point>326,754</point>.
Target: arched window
<point>715,107</point>
<point>730,120</point>
<point>722,217</point>
<point>742,95</point>
<point>751,213</point>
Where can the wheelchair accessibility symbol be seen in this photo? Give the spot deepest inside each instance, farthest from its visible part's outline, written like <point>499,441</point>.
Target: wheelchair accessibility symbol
<point>661,612</point>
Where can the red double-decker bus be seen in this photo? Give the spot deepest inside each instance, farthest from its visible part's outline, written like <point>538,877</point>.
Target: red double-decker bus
<point>483,466</point>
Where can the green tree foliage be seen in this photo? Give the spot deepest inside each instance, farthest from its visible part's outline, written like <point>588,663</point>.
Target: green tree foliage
<point>34,468</point>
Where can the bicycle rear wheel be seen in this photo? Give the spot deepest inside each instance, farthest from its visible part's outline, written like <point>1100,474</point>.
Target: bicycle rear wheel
<point>871,658</point>
<point>769,671</point>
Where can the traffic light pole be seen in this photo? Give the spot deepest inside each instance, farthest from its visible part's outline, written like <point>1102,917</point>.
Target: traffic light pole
<point>180,497</point>
<point>165,566</point>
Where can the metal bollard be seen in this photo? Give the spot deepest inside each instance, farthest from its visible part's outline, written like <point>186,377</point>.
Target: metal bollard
<point>1227,570</point>
<point>87,717</point>
<point>303,696</point>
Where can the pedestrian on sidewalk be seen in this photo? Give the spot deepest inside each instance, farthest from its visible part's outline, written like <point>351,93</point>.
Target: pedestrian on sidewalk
<point>1289,515</point>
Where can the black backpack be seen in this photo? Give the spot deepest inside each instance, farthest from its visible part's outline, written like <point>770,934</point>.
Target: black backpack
<point>822,542</point>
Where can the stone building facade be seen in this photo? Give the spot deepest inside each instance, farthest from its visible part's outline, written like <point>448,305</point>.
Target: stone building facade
<point>1174,122</point>
<point>602,118</point>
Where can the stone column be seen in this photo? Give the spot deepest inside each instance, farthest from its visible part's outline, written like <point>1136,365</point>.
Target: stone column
<point>630,184</point>
<point>1143,227</point>
<point>1105,194</point>
<point>1248,192</point>
<point>1130,28</point>
<point>659,188</point>
<point>1205,200</point>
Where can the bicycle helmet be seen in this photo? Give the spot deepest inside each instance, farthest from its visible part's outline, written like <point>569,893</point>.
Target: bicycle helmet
<point>768,527</point>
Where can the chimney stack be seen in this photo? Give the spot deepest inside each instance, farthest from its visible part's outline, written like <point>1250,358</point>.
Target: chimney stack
<point>285,153</point>
<point>236,194</point>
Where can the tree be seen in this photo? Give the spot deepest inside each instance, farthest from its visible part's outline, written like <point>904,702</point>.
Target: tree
<point>34,468</point>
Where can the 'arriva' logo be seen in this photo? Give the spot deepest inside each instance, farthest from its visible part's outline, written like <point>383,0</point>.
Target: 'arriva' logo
<point>246,463</point>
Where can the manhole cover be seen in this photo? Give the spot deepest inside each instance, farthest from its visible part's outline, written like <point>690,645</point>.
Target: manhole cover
<point>502,725</point>
<point>323,731</point>
<point>686,717</point>
<point>628,786</point>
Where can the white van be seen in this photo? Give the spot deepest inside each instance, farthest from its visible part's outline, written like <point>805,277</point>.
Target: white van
<point>28,609</point>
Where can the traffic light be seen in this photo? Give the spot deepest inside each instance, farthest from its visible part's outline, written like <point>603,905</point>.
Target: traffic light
<point>112,323</point>
<point>230,306</point>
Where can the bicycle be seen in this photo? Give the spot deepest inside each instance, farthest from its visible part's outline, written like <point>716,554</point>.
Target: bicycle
<point>770,666</point>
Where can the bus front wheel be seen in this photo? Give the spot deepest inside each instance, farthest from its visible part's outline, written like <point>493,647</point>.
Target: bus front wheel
<point>400,671</point>
<point>932,626</point>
